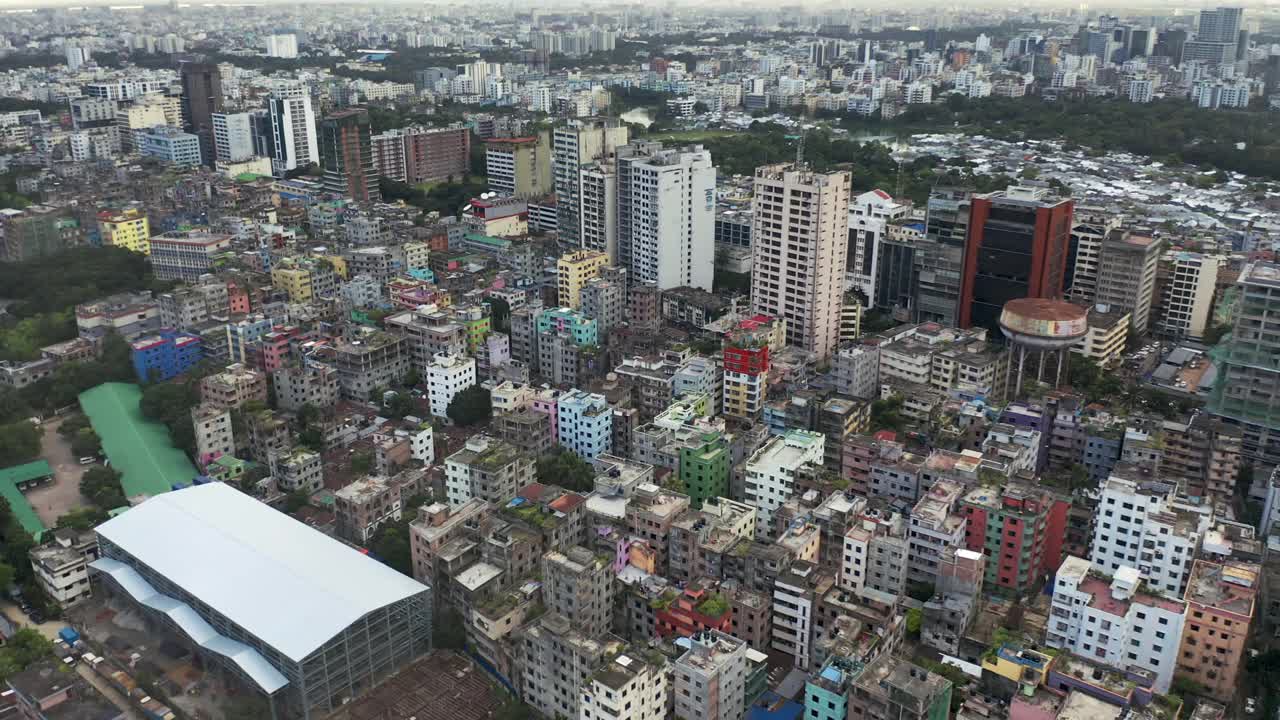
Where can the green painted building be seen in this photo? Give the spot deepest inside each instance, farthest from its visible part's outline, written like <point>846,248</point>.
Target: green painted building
<point>704,468</point>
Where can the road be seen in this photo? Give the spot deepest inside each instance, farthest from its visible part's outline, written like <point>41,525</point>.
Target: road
<point>121,703</point>
<point>20,620</point>
<point>53,500</point>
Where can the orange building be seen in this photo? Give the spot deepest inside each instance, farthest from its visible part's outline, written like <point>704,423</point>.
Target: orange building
<point>1220,605</point>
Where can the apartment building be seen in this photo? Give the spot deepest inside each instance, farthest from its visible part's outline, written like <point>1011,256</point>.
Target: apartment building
<point>573,270</point>
<point>233,387</point>
<point>372,359</point>
<point>487,468</point>
<point>771,473</point>
<point>447,376</point>
<point>799,239</point>
<point>934,527</point>
<point>1221,602</point>
<point>708,679</point>
<point>1127,276</point>
<point>1140,524</point>
<point>556,661</point>
<point>435,526</point>
<point>578,583</point>
<point>1020,528</point>
<point>1186,297</point>
<point>1110,620</point>
<point>584,424</point>
<point>665,214</point>
<point>519,167</point>
<point>310,383</point>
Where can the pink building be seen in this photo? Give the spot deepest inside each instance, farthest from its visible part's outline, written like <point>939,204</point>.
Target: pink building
<point>546,402</point>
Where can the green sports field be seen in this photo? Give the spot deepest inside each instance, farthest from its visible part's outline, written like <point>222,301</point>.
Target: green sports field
<point>138,448</point>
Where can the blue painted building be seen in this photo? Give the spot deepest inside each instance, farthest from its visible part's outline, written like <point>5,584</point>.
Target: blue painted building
<point>584,424</point>
<point>166,355</point>
<point>826,695</point>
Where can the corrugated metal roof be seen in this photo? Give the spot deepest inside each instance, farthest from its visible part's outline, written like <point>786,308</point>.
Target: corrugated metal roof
<point>290,585</point>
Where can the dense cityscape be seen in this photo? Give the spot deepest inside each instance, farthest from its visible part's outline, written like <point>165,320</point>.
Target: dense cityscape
<point>636,362</point>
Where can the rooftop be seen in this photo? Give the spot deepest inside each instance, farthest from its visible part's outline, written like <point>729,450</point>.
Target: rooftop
<point>289,585</point>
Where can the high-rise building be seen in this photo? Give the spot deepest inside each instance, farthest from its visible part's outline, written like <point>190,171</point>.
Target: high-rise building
<point>799,237</point>
<point>232,137</point>
<point>346,155</point>
<point>1089,229</point>
<point>420,154</point>
<point>1247,391</point>
<point>201,98</point>
<point>1186,296</point>
<point>1017,246</point>
<point>577,144</point>
<point>289,137</point>
<point>519,167</point>
<point>939,258</point>
<point>1127,276</point>
<point>665,213</point>
<point>1222,25</point>
<point>282,46</point>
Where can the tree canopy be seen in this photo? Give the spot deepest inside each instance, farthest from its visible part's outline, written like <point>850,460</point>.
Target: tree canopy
<point>561,467</point>
<point>470,406</point>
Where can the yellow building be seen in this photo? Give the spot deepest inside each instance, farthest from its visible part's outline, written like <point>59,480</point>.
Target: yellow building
<point>1107,336</point>
<point>294,280</point>
<point>1023,669</point>
<point>574,270</point>
<point>128,228</point>
<point>339,264</point>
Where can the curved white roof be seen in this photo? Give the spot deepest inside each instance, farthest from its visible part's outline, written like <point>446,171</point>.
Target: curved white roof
<point>286,583</point>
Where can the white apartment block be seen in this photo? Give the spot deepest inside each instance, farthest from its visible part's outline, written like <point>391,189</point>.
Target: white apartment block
<point>293,133</point>
<point>61,567</point>
<point>1186,300</point>
<point>799,244</point>
<point>1143,527</point>
<point>793,614</point>
<point>934,527</point>
<point>1107,619</point>
<point>666,215</point>
<point>628,687</point>
<point>448,375</point>
<point>597,219</point>
<point>232,137</point>
<point>771,472</point>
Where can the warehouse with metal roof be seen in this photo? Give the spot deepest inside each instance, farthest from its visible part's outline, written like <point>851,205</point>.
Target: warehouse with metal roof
<point>306,620</point>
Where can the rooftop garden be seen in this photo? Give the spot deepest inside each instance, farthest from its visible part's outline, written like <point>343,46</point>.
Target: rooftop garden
<point>713,605</point>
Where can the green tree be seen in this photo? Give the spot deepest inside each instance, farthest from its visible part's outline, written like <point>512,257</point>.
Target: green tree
<point>390,543</point>
<point>296,500</point>
<point>362,462</point>
<point>561,467</point>
<point>6,576</point>
<point>100,485</point>
<point>449,629</point>
<point>83,518</point>
<point>24,649</point>
<point>470,406</point>
<point>19,442</point>
<point>85,442</point>
<point>915,618</point>
<point>499,314</point>
<point>399,405</point>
